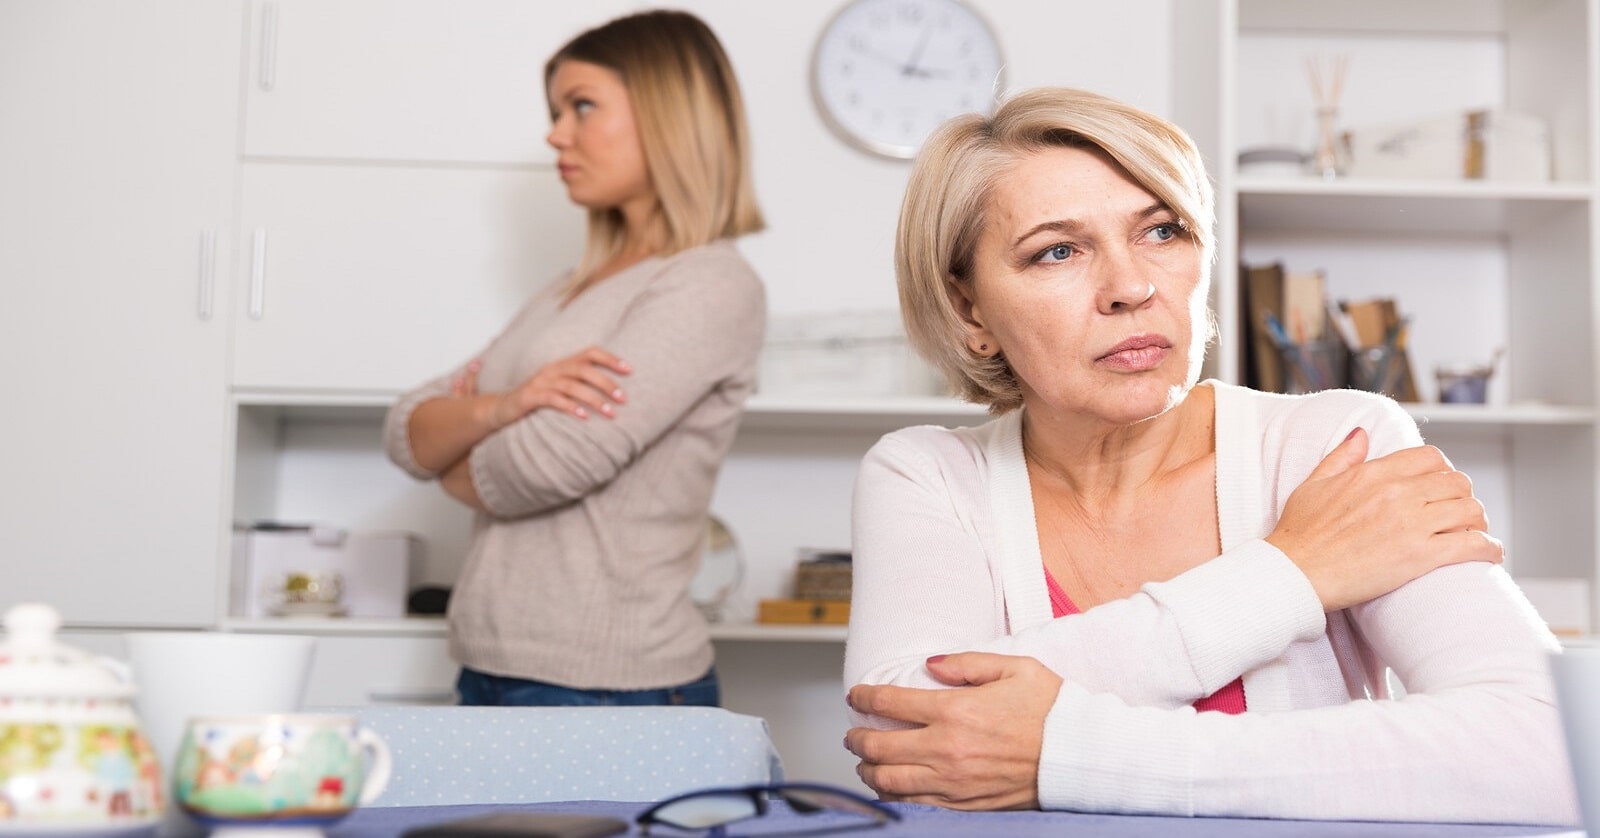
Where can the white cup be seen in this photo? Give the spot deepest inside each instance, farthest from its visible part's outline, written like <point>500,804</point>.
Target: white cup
<point>1576,673</point>
<point>183,674</point>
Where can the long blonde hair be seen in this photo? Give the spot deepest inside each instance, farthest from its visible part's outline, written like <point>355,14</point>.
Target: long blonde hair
<point>691,123</point>
<point>947,198</point>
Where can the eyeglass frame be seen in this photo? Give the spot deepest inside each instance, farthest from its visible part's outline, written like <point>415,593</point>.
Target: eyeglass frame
<point>759,796</point>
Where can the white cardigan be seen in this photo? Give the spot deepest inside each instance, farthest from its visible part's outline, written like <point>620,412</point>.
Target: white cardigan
<point>947,559</point>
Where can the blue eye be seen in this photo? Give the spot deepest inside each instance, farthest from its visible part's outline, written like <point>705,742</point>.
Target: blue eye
<point>1165,232</point>
<point>1059,253</point>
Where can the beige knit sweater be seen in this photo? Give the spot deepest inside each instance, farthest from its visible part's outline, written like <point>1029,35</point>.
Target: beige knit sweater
<point>578,575</point>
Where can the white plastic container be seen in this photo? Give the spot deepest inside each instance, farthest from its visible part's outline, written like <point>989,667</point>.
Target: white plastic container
<point>842,354</point>
<point>373,571</point>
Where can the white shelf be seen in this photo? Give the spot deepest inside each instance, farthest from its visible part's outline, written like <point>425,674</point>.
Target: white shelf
<point>1311,186</point>
<point>315,398</point>
<point>1482,17</point>
<point>768,413</point>
<point>338,626</point>
<point>1393,206</point>
<point>768,632</point>
<point>1499,415</point>
<point>763,413</point>
<point>436,627</point>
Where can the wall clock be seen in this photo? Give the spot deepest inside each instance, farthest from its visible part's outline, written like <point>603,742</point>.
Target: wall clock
<point>885,73</point>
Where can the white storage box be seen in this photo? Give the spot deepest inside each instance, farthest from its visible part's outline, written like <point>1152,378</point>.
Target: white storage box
<point>1475,145</point>
<point>844,354</point>
<point>375,568</point>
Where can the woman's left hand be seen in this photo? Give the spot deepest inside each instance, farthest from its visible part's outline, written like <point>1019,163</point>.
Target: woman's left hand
<point>978,747</point>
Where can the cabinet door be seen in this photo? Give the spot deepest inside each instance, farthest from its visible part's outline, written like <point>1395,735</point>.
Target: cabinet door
<point>117,136</point>
<point>356,671</point>
<point>376,278</point>
<point>421,80</point>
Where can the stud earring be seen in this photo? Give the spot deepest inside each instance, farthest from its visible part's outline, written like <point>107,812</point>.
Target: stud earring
<point>983,347</point>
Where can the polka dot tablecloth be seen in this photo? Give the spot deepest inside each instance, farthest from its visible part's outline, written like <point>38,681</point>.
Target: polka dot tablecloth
<point>450,755</point>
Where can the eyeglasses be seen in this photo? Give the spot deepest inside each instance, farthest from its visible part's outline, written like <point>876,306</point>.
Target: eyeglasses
<point>712,810</point>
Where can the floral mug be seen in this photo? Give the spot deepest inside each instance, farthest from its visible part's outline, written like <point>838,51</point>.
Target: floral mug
<point>291,769</point>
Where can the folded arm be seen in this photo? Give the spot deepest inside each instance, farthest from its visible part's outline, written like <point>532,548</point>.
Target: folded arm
<point>689,331</point>
<point>925,585</point>
<point>1476,738</point>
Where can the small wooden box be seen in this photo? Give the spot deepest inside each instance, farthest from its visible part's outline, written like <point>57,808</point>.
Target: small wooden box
<point>820,611</point>
<point>822,579</point>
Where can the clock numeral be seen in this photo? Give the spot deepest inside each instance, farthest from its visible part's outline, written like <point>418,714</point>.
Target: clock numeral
<point>911,11</point>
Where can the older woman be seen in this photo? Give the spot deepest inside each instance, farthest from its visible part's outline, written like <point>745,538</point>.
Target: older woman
<point>1162,595</point>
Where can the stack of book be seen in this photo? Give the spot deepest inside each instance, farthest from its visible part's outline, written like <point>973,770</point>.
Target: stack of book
<point>1298,341</point>
<point>821,591</point>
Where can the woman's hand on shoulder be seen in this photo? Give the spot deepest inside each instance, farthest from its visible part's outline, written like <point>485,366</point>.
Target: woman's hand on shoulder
<point>579,384</point>
<point>1360,528</point>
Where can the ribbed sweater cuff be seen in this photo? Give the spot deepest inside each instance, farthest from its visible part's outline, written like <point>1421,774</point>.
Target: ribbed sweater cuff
<point>397,427</point>
<point>1100,755</point>
<point>1241,610</point>
<point>483,481</point>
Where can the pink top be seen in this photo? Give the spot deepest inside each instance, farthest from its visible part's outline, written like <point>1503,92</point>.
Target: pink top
<point>1229,699</point>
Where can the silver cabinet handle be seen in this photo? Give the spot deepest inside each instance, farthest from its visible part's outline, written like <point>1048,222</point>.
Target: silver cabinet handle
<point>258,275</point>
<point>208,278</point>
<point>268,75</point>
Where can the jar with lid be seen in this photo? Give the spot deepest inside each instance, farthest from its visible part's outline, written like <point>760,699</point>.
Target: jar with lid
<point>73,757</point>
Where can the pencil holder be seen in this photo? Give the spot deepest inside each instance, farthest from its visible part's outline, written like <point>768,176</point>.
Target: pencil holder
<point>1377,369</point>
<point>1314,365</point>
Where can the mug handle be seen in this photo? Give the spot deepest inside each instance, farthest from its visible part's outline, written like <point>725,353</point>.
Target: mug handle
<point>379,767</point>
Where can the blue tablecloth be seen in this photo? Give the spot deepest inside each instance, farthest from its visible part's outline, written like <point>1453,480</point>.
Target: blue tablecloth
<point>390,822</point>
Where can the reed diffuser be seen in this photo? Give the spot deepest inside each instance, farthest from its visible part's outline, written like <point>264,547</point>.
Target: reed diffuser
<point>1327,85</point>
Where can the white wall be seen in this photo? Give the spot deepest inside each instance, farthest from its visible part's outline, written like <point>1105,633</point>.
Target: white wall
<point>832,209</point>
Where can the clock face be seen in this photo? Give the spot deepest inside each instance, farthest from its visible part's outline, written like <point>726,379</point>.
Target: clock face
<point>887,72</point>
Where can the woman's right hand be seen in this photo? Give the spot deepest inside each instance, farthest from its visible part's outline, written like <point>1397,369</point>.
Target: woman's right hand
<point>1359,529</point>
<point>577,384</point>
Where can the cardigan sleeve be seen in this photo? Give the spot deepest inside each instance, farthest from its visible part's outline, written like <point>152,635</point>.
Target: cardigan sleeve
<point>919,559</point>
<point>1475,738</point>
<point>697,326</point>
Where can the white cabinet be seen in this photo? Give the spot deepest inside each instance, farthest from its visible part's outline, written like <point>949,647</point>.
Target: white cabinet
<point>117,136</point>
<point>350,671</point>
<point>1477,264</point>
<point>412,80</point>
<point>373,278</point>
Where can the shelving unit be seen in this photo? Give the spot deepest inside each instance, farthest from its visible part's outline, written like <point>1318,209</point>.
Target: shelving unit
<point>1478,264</point>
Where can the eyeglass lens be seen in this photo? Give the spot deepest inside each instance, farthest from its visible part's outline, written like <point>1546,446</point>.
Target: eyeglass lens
<point>706,811</point>
<point>817,800</point>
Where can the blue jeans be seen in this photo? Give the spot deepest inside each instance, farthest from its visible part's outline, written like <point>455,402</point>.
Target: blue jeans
<point>481,688</point>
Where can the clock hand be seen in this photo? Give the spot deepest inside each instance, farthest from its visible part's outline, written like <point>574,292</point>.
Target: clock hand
<point>911,69</point>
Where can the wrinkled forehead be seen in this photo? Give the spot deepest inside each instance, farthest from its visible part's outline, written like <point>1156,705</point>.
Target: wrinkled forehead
<point>1057,183</point>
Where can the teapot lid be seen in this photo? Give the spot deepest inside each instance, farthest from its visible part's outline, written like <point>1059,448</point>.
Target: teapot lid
<point>34,665</point>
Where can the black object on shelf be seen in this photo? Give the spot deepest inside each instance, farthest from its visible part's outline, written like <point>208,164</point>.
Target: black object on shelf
<point>428,601</point>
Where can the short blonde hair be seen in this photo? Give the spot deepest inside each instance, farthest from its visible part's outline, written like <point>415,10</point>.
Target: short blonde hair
<point>691,123</point>
<point>947,202</point>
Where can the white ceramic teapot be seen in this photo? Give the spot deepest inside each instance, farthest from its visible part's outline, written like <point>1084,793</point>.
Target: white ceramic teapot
<point>73,758</point>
